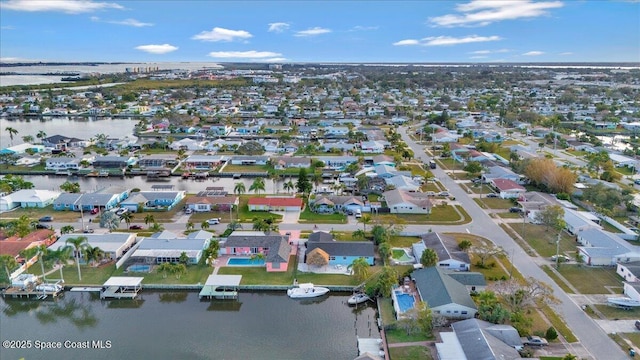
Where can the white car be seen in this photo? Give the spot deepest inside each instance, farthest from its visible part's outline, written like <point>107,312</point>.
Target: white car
<point>214,221</point>
<point>560,258</point>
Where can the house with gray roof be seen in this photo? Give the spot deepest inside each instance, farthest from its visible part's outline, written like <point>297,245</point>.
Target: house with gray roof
<point>164,200</point>
<point>475,339</point>
<point>85,202</point>
<point>602,248</point>
<point>166,246</point>
<point>249,160</point>
<point>334,203</point>
<point>113,162</point>
<point>444,294</point>
<point>275,248</point>
<point>450,257</point>
<point>405,202</point>
<point>340,252</point>
<point>574,222</point>
<point>113,244</point>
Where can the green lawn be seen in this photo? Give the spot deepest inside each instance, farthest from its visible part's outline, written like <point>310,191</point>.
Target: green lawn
<point>559,324</point>
<point>557,279</point>
<point>449,164</point>
<point>494,203</point>
<point>410,353</point>
<point>90,275</point>
<point>403,241</point>
<point>510,215</point>
<point>386,310</point>
<point>308,216</point>
<point>612,312</point>
<point>36,213</point>
<point>400,336</point>
<point>440,215</point>
<point>544,242</point>
<point>259,275</point>
<point>634,338</point>
<point>245,169</point>
<point>396,254</point>
<point>244,215</point>
<point>590,280</point>
<point>326,279</point>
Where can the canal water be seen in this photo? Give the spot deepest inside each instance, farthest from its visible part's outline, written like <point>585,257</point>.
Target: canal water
<point>177,325</point>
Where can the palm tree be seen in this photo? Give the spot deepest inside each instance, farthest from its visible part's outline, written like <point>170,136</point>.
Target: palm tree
<point>239,188</point>
<point>359,234</point>
<point>365,219</point>
<point>385,250</point>
<point>204,225</point>
<point>41,135</point>
<point>234,225</point>
<point>360,268</point>
<point>11,131</point>
<point>9,263</point>
<point>60,256</point>
<point>257,185</point>
<point>155,227</point>
<point>178,270</point>
<point>27,138</point>
<point>148,219</point>
<point>289,186</point>
<point>274,176</point>
<point>93,254</point>
<point>190,226</point>
<point>316,178</point>
<point>165,268</point>
<point>67,229</point>
<point>77,244</point>
<point>127,217</point>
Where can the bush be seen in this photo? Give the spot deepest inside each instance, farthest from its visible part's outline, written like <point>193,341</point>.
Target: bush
<point>551,334</point>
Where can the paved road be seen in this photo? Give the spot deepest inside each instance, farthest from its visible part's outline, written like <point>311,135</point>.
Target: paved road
<point>592,337</point>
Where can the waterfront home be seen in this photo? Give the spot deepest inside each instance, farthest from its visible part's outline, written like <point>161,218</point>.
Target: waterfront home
<point>167,247</point>
<point>62,163</point>
<point>338,252</point>
<point>113,162</point>
<point>157,161</point>
<point>187,144</point>
<point>164,200</point>
<point>479,339</point>
<point>106,199</point>
<point>274,247</point>
<point>508,189</point>
<point>288,162</point>
<point>28,198</point>
<point>212,203</point>
<point>336,162</point>
<point>14,245</point>
<point>60,142</point>
<point>602,248</point>
<point>114,245</point>
<point>275,204</point>
<point>249,160</point>
<point>23,149</point>
<point>404,202</point>
<point>445,295</point>
<point>450,257</point>
<point>204,162</point>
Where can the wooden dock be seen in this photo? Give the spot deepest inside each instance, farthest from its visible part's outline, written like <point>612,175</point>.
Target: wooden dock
<point>30,293</point>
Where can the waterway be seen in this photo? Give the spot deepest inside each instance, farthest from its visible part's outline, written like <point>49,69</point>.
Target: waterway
<point>177,325</point>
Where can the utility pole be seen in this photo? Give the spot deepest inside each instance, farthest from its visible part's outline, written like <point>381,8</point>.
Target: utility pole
<point>558,252</point>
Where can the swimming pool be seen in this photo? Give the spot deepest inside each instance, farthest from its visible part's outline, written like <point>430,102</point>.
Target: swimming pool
<point>405,302</point>
<point>401,256</point>
<point>139,268</point>
<point>244,261</point>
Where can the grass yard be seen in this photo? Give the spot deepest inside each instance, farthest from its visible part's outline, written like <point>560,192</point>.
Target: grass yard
<point>244,215</point>
<point>444,215</point>
<point>544,242</point>
<point>245,169</point>
<point>400,336</point>
<point>634,338</point>
<point>403,241</point>
<point>326,279</point>
<point>260,276</point>
<point>410,352</point>
<point>36,213</point>
<point>588,280</point>
<point>559,324</point>
<point>479,189</point>
<point>386,310</point>
<point>308,216</point>
<point>552,274</point>
<point>612,312</point>
<point>494,203</point>
<point>510,215</point>
<point>397,254</point>
<point>90,275</point>
<point>195,274</point>
<point>450,164</point>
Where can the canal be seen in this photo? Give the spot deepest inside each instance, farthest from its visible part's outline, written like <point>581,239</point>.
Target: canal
<point>177,325</point>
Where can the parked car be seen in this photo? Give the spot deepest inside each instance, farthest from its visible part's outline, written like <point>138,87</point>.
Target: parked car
<point>95,211</point>
<point>213,221</point>
<point>492,195</point>
<point>515,210</point>
<point>535,341</point>
<point>46,219</point>
<point>188,211</point>
<point>41,226</point>
<point>122,211</point>
<point>443,193</point>
<point>560,258</point>
<point>636,181</point>
<point>88,231</point>
<point>135,227</point>
<point>638,324</point>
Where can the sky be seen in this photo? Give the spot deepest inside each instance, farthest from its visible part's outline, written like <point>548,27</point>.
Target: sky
<point>320,31</point>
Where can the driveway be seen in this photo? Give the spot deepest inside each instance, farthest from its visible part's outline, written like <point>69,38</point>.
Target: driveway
<point>289,217</point>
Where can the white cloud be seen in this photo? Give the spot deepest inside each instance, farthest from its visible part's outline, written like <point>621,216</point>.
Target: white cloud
<point>251,54</point>
<point>485,12</point>
<point>278,27</point>
<point>481,52</point>
<point>566,53</point>
<point>157,49</point>
<point>127,22</point>
<point>221,34</point>
<point>478,57</point>
<point>7,27</point>
<point>533,53</point>
<point>276,59</point>
<point>363,28</point>
<point>406,42</point>
<point>312,32</point>
<point>65,6</point>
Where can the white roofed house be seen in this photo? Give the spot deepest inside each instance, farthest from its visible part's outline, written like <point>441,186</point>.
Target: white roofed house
<point>574,222</point>
<point>602,248</point>
<point>28,198</point>
<point>445,295</point>
<point>286,162</point>
<point>167,247</point>
<point>475,339</point>
<point>113,244</point>
<point>372,147</point>
<point>404,202</point>
<point>508,189</point>
<point>62,163</point>
<point>401,182</point>
<point>187,144</point>
<point>630,272</point>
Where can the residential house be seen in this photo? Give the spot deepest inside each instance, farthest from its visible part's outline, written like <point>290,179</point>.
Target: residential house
<point>204,162</point>
<point>382,160</point>
<point>114,244</point>
<point>475,339</point>
<point>450,257</point>
<point>288,162</point>
<point>602,248</point>
<point>113,162</point>
<point>372,147</point>
<point>220,130</point>
<point>249,160</point>
<point>23,148</point>
<point>444,295</point>
<point>275,204</point>
<point>386,171</point>
<point>404,202</point>
<point>187,144</point>
<point>63,143</point>
<point>28,198</point>
<point>14,245</point>
<point>336,162</point>
<point>339,145</point>
<point>167,247</point>
<point>499,172</point>
<point>158,200</point>
<point>403,183</point>
<point>629,271</point>
<point>157,161</point>
<point>212,203</point>
<point>62,163</point>
<point>339,252</point>
<point>335,203</point>
<point>508,189</point>
<point>275,248</point>
<point>575,222</point>
<point>336,131</point>
<point>105,199</point>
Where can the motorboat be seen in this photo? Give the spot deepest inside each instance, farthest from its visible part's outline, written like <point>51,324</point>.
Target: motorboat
<point>358,298</point>
<point>623,301</point>
<point>306,290</point>
<point>49,287</point>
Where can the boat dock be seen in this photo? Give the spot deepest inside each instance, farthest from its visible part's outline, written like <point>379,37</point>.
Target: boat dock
<point>85,289</point>
<point>39,292</point>
<point>221,287</point>
<point>370,345</point>
<point>121,287</point>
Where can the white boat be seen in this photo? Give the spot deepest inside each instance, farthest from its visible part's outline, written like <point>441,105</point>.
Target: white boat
<point>49,287</point>
<point>358,299</point>
<point>623,301</point>
<point>307,290</point>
